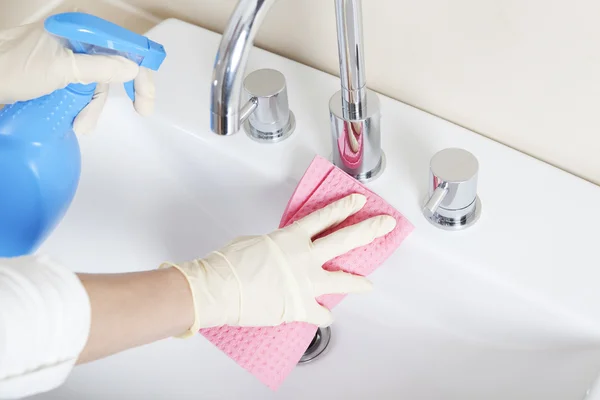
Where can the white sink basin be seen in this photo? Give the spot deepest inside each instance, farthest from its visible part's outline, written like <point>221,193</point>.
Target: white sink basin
<point>508,309</point>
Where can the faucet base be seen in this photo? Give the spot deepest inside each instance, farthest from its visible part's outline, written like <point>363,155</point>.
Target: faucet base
<point>455,220</point>
<point>369,176</point>
<point>271,137</point>
<point>356,139</point>
<point>373,174</point>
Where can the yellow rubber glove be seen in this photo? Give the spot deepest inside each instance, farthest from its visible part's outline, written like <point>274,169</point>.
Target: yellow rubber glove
<point>271,279</point>
<point>33,63</point>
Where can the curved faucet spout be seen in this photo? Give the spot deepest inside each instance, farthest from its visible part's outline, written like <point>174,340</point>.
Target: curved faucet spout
<point>226,114</point>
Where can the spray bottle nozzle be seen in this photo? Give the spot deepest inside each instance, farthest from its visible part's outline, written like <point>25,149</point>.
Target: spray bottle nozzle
<point>85,33</point>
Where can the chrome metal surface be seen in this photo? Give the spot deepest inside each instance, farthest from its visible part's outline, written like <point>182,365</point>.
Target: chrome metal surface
<point>456,168</point>
<point>356,143</point>
<point>354,111</point>
<point>318,345</point>
<point>272,120</point>
<point>453,202</point>
<point>248,109</point>
<point>230,64</point>
<point>271,136</point>
<point>436,199</point>
<point>455,220</point>
<point>351,59</point>
<point>372,175</point>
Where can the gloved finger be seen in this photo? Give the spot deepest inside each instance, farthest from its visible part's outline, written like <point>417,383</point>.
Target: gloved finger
<point>144,92</point>
<point>340,282</point>
<point>88,68</point>
<point>353,236</point>
<point>87,118</point>
<point>332,214</point>
<point>320,316</point>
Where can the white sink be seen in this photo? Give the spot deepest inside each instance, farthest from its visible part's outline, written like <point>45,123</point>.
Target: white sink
<point>508,309</point>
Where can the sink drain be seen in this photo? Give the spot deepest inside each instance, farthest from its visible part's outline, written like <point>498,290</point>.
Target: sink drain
<point>317,346</point>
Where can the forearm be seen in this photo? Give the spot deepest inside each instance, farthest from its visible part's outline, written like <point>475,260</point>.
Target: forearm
<point>134,309</point>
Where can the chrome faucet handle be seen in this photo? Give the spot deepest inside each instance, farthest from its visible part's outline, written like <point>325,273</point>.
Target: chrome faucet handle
<point>453,203</point>
<point>266,115</point>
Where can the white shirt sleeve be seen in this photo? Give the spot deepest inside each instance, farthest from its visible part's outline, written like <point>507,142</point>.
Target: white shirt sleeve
<point>44,325</point>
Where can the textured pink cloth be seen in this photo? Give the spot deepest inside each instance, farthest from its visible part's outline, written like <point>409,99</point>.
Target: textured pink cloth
<point>271,353</point>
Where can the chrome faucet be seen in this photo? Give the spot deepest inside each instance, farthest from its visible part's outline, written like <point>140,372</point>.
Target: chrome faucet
<point>354,109</point>
<point>226,115</point>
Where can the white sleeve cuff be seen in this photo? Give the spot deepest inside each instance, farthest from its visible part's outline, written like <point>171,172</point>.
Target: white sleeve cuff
<point>44,324</point>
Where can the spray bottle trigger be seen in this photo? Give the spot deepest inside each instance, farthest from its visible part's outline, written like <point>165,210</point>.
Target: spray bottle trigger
<point>130,90</point>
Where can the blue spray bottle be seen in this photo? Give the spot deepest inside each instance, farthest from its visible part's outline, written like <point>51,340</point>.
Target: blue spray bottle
<point>39,154</point>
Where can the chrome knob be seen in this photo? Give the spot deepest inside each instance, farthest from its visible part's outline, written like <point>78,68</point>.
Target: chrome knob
<point>453,203</point>
<point>267,113</point>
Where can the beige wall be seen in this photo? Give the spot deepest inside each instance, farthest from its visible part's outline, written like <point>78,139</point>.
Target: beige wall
<point>524,72</point>
<point>15,11</point>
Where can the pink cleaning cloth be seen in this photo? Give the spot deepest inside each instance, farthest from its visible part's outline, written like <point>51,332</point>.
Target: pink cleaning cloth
<point>271,353</point>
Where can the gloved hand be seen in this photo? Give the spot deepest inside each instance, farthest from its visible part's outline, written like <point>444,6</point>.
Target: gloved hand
<point>33,63</point>
<point>271,279</point>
